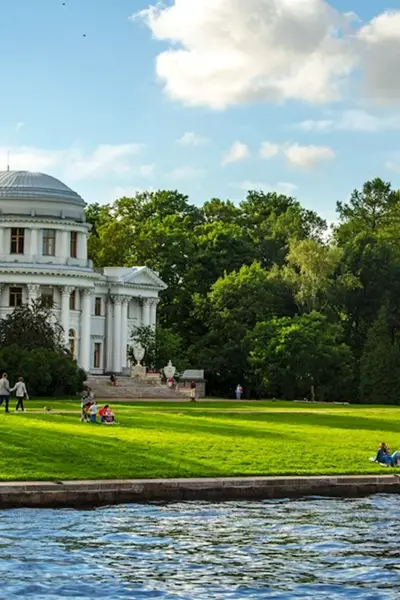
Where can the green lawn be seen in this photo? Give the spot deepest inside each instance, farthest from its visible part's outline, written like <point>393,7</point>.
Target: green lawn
<point>186,440</point>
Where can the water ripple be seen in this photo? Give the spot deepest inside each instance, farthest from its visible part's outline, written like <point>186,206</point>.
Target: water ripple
<point>309,548</point>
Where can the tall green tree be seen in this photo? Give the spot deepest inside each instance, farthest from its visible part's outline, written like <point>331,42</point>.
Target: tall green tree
<point>380,362</point>
<point>302,356</point>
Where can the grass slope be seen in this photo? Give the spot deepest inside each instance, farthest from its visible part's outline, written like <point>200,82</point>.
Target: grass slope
<point>184,440</point>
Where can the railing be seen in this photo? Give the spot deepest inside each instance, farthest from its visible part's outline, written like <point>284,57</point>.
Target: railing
<point>13,259</point>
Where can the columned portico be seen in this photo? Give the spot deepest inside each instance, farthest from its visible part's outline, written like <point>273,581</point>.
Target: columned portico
<point>117,333</point>
<point>85,328</point>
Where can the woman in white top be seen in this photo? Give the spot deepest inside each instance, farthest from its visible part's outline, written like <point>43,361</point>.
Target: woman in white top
<point>21,393</point>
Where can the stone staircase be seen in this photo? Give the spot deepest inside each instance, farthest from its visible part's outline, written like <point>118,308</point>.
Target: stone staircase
<point>129,388</point>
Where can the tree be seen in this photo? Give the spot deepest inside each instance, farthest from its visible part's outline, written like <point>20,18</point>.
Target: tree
<point>380,362</point>
<point>311,270</point>
<point>31,326</point>
<point>234,305</point>
<point>304,355</point>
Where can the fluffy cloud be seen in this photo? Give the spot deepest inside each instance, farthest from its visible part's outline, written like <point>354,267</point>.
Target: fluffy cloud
<point>353,120</point>
<point>281,187</point>
<point>227,52</point>
<point>75,163</point>
<point>307,156</point>
<point>380,48</point>
<point>268,150</point>
<point>184,173</point>
<point>236,153</point>
<point>190,138</point>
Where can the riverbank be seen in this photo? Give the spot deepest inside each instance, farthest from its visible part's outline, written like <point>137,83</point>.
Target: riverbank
<point>88,494</point>
<point>184,440</point>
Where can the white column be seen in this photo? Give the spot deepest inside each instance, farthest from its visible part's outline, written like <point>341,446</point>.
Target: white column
<point>110,329</point>
<point>146,312</point>
<point>65,296</point>
<point>117,334</point>
<point>86,317</point>
<point>64,247</point>
<point>82,246</point>
<point>153,312</point>
<point>33,292</point>
<point>124,330</point>
<point>34,242</point>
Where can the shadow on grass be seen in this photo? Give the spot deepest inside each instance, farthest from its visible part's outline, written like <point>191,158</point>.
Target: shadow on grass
<point>319,420</point>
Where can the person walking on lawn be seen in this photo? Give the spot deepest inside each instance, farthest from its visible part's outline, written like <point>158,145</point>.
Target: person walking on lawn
<point>5,391</point>
<point>21,393</point>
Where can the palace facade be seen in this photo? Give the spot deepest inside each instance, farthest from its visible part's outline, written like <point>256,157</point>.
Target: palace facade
<point>43,254</point>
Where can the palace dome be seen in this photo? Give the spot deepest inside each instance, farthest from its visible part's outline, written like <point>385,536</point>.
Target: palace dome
<point>38,194</point>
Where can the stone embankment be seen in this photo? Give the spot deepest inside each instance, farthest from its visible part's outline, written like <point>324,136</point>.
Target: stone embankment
<point>88,494</point>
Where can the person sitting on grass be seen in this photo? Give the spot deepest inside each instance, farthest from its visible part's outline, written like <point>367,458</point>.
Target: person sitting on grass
<point>106,415</point>
<point>384,457</point>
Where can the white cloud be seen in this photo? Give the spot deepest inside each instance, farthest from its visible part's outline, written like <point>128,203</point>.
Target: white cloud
<point>129,192</point>
<point>107,158</point>
<point>307,156</point>
<point>183,173</point>
<point>227,52</point>
<point>353,120</point>
<point>281,187</point>
<point>380,48</point>
<point>190,138</point>
<point>236,153</point>
<point>75,163</point>
<point>268,150</point>
<point>19,126</point>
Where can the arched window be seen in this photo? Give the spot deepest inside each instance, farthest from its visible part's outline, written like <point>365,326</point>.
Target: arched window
<point>72,342</point>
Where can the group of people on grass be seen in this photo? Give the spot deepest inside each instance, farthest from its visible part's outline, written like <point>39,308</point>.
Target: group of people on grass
<point>6,390</point>
<point>90,410</point>
<point>385,458</point>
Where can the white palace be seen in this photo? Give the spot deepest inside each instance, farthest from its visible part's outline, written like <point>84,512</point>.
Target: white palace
<point>43,253</point>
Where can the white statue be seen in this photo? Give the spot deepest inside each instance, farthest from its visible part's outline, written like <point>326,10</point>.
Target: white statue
<point>169,370</point>
<point>138,353</point>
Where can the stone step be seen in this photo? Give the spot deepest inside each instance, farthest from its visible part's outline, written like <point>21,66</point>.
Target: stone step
<point>129,388</point>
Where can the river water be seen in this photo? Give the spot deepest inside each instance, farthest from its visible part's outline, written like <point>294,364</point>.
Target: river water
<point>310,548</point>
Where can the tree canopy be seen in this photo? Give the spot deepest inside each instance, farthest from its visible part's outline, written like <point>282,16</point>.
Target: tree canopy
<point>255,285</point>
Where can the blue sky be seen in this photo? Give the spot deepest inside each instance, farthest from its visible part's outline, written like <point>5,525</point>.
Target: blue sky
<point>255,100</point>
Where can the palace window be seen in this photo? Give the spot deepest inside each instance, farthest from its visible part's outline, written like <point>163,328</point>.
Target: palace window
<point>72,342</point>
<point>48,297</point>
<point>72,301</point>
<point>17,240</point>
<point>97,307</point>
<point>97,356</point>
<point>49,242</point>
<point>73,244</point>
<point>15,298</point>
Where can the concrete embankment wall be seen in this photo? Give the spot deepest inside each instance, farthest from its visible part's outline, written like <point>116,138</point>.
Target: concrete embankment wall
<point>87,494</point>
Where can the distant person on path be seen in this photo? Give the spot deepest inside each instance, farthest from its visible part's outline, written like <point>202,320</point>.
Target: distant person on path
<point>20,393</point>
<point>238,391</point>
<point>5,391</point>
<point>193,391</point>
